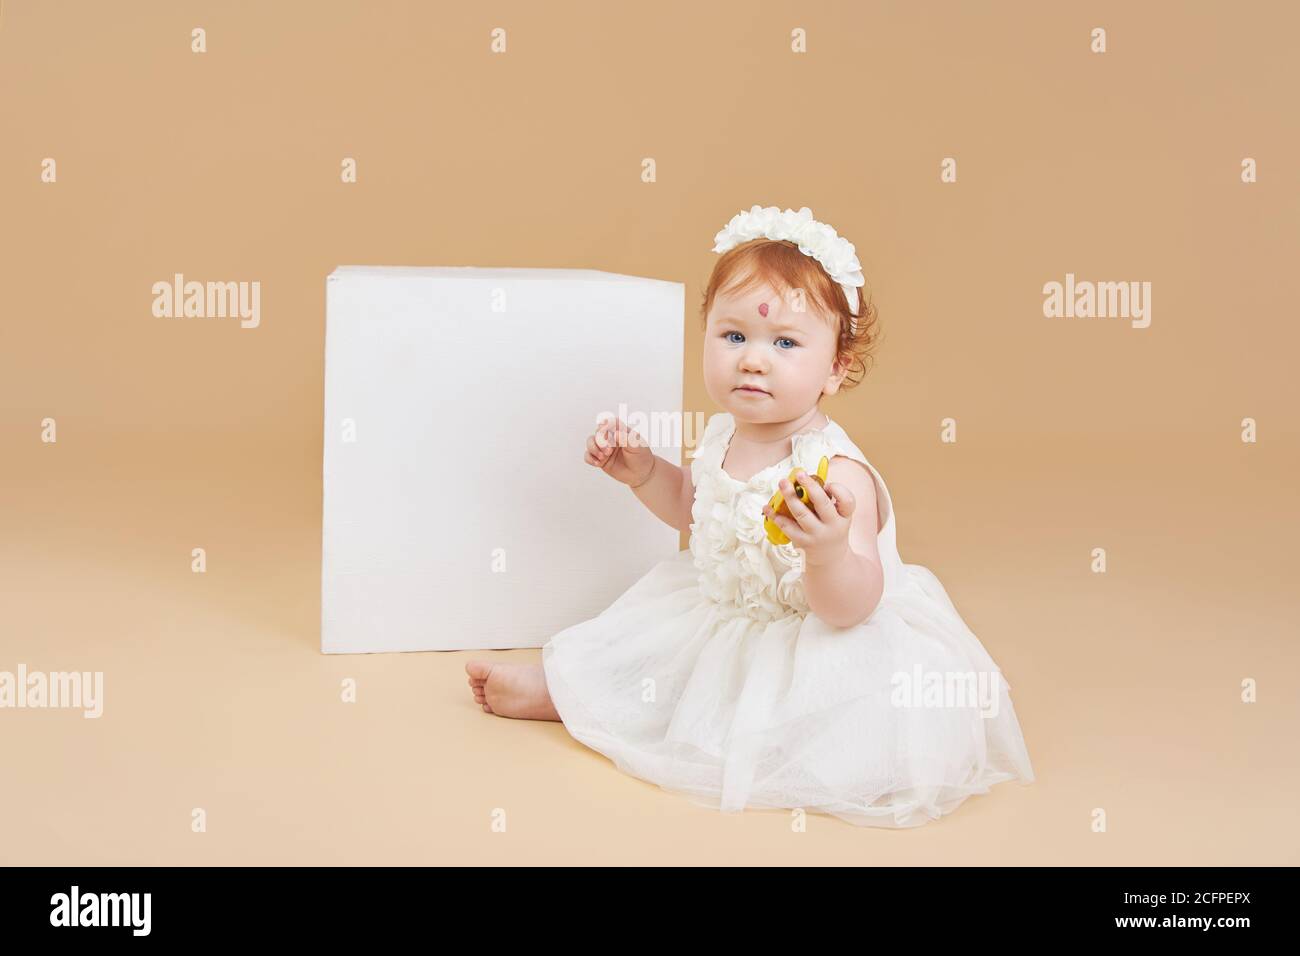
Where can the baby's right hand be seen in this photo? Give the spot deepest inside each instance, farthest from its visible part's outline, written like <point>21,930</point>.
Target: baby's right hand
<point>619,451</point>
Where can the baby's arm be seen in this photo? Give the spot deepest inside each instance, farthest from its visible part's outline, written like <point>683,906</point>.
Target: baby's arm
<point>669,494</point>
<point>846,590</point>
<point>663,487</point>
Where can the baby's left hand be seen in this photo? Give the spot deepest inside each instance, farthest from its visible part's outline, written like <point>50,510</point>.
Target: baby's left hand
<point>822,531</point>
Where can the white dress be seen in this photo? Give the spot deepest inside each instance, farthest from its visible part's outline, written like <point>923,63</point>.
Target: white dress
<point>711,677</point>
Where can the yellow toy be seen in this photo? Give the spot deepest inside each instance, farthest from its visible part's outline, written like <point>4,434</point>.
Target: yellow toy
<point>778,505</point>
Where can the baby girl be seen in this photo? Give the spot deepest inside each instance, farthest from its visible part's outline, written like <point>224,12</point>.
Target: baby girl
<point>788,658</point>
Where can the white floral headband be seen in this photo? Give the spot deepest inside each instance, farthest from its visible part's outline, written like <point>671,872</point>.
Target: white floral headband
<point>816,239</point>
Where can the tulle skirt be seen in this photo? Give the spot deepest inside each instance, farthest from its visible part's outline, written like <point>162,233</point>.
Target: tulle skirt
<point>890,723</point>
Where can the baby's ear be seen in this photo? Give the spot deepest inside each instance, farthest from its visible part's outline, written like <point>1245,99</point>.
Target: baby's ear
<point>838,370</point>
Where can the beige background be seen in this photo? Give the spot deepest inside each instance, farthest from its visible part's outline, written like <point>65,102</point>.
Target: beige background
<point>1072,434</point>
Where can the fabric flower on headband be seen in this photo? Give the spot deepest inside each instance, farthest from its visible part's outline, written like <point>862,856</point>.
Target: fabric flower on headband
<point>817,239</point>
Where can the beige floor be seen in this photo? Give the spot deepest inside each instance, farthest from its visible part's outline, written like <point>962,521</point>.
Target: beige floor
<point>1127,684</point>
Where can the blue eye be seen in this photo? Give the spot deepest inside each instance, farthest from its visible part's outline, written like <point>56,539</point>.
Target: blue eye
<point>740,338</point>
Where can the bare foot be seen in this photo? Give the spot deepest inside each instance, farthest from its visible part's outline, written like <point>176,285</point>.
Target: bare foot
<point>511,690</point>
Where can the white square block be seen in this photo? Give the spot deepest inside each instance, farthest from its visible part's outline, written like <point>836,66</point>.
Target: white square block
<point>458,512</point>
